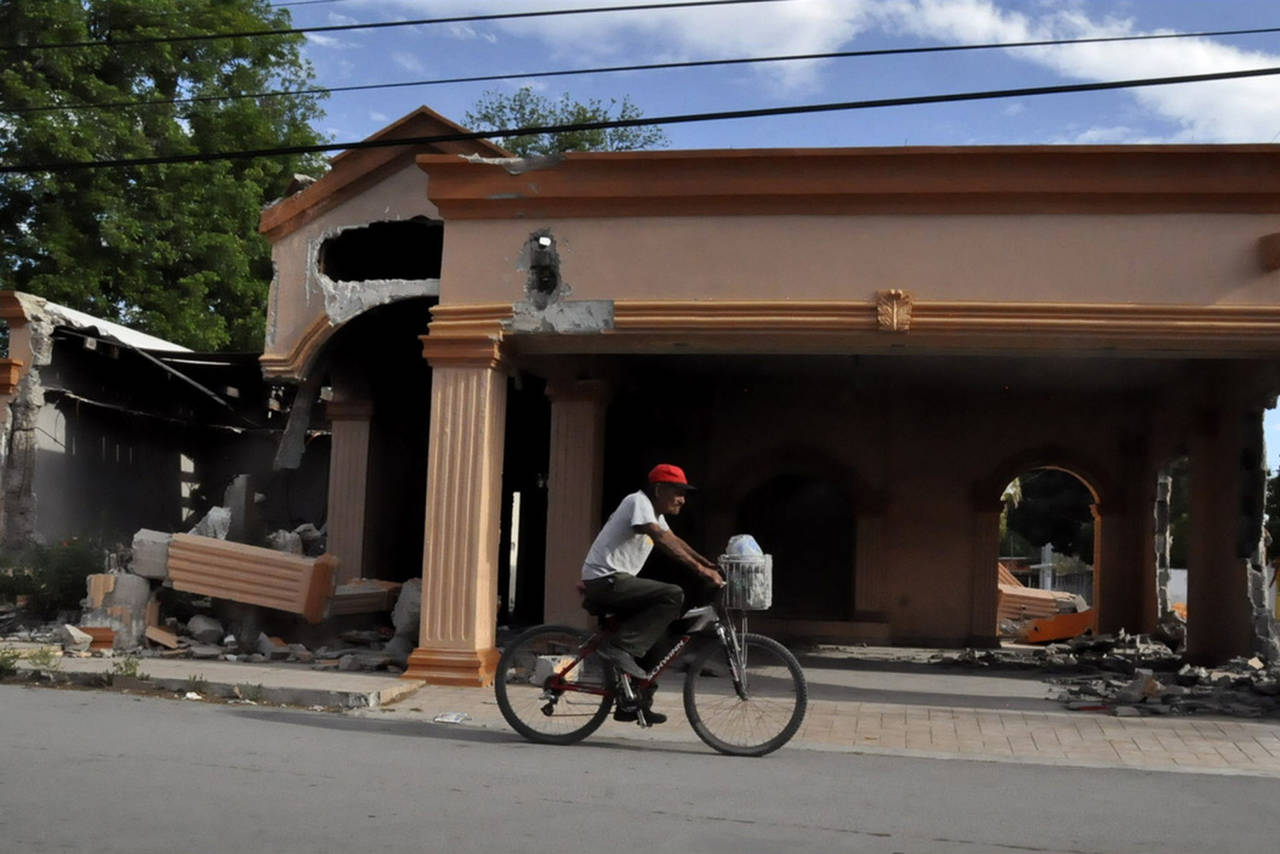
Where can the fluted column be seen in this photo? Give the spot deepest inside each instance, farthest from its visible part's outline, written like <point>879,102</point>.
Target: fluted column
<point>575,482</point>
<point>348,485</point>
<point>464,495</point>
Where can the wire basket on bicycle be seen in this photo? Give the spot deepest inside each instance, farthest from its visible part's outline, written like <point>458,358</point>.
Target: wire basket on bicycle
<point>748,581</point>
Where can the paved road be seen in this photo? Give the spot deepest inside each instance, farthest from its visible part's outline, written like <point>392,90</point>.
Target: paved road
<point>103,772</point>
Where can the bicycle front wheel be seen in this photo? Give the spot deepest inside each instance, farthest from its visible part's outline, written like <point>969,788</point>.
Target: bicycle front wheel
<point>752,718</point>
<point>547,692</point>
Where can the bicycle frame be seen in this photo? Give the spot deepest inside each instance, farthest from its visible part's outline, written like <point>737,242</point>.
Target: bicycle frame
<point>725,634</point>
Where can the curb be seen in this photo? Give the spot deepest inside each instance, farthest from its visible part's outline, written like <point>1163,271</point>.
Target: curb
<point>275,695</point>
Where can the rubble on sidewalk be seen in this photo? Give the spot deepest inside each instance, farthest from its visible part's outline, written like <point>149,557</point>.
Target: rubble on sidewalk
<point>1131,675</point>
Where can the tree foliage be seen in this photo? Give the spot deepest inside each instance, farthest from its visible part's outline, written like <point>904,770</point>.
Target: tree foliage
<point>525,108</point>
<point>170,249</point>
<point>1054,509</point>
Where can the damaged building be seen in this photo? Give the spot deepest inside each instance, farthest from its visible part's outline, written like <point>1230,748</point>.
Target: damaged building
<point>852,351</point>
<point>106,429</point>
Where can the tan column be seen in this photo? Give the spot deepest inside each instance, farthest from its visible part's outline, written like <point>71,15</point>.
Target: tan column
<point>464,495</point>
<point>348,485</point>
<point>1218,613</point>
<point>575,482</point>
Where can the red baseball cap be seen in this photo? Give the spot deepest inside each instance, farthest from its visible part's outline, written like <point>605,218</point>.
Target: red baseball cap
<point>667,473</point>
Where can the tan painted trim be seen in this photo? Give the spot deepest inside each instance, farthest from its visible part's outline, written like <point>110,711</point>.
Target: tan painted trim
<point>10,376</point>
<point>1029,320</point>
<point>354,170</point>
<point>465,334</point>
<point>11,307</point>
<point>293,365</point>
<point>986,179</point>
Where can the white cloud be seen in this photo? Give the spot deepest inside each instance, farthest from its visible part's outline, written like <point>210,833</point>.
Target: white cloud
<point>1109,135</point>
<point>1224,111</point>
<point>1014,109</point>
<point>408,61</point>
<point>375,116</point>
<point>1236,110</point>
<point>321,40</point>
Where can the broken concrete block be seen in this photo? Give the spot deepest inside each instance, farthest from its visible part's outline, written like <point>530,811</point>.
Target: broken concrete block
<point>399,649</point>
<point>215,524</point>
<point>253,575</point>
<point>298,652</point>
<point>205,629</point>
<point>162,636</point>
<point>205,651</point>
<point>273,648</point>
<point>104,637</point>
<point>120,602</point>
<point>151,554</point>
<point>285,541</point>
<point>348,663</point>
<point>1143,687</point>
<point>74,640</point>
<point>407,613</point>
<point>1127,712</point>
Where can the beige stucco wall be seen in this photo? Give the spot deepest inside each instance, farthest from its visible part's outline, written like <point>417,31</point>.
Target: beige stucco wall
<point>298,291</point>
<point>1204,259</point>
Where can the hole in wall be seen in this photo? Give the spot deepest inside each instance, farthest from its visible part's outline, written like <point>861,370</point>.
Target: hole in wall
<point>407,249</point>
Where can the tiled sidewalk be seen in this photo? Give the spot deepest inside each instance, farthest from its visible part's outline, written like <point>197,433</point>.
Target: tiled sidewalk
<point>1200,744</point>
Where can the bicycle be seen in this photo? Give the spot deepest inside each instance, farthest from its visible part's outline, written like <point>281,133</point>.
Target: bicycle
<point>744,694</point>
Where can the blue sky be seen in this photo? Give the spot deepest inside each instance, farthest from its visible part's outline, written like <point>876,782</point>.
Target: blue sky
<point>1223,112</point>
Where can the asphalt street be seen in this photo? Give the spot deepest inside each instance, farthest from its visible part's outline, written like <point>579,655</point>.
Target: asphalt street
<point>107,772</point>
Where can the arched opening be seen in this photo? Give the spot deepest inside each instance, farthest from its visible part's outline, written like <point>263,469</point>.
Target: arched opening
<point>1050,543</point>
<point>807,522</point>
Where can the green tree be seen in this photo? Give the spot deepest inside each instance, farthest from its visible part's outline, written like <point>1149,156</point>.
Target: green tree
<point>170,249</point>
<point>525,108</point>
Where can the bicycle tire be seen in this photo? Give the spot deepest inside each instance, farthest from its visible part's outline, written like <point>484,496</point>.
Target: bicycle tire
<point>519,686</point>
<point>777,697</point>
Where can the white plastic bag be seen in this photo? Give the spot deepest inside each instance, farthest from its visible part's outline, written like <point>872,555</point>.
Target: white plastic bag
<point>743,545</point>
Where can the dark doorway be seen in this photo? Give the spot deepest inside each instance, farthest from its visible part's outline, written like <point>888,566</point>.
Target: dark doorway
<point>807,523</point>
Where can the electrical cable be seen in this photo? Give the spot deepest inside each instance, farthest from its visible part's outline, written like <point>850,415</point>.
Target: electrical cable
<point>613,69</point>
<point>377,25</point>
<point>685,118</point>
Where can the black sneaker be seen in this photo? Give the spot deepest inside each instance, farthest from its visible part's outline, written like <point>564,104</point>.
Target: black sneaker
<point>630,716</point>
<point>621,659</point>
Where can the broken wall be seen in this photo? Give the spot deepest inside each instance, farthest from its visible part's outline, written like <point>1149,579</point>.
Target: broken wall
<point>305,302</point>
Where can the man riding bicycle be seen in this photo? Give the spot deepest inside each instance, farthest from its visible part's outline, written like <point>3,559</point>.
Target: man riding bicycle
<point>645,607</point>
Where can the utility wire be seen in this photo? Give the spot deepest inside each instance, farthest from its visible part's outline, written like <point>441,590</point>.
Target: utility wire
<point>685,118</point>
<point>613,69</point>
<point>377,25</point>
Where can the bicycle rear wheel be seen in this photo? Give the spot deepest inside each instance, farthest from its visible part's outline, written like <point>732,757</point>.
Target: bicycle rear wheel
<point>761,717</point>
<point>530,698</point>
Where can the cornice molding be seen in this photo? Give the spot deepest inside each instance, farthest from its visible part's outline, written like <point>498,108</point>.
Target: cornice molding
<point>1185,324</point>
<point>975,180</point>
<point>293,365</point>
<point>465,335</point>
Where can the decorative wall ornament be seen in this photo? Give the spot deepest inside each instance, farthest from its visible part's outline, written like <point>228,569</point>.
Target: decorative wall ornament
<point>893,310</point>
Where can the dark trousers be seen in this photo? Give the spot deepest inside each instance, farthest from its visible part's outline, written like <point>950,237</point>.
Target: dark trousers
<point>644,607</point>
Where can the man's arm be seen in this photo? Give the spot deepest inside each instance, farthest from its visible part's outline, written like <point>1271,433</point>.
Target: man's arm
<point>681,551</point>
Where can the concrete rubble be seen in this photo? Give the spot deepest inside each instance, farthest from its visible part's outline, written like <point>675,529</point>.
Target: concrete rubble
<point>1131,675</point>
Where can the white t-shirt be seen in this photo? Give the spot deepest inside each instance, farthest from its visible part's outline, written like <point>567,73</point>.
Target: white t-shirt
<point>619,547</point>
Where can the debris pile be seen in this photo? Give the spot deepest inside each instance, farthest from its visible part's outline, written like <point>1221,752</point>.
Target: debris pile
<point>1241,687</point>
<point>1130,675</point>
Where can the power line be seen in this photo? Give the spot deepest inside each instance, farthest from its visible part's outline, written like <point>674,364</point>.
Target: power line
<point>684,118</point>
<point>376,25</point>
<point>613,69</point>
